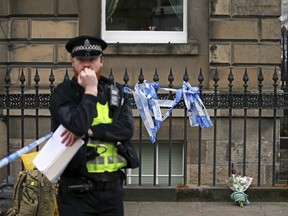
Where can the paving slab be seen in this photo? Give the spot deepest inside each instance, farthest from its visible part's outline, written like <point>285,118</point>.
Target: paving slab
<point>205,209</point>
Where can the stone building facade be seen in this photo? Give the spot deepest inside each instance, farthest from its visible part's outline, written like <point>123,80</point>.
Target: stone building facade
<point>222,34</point>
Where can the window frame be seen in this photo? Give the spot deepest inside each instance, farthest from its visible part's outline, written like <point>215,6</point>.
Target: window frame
<point>144,36</point>
<point>162,165</point>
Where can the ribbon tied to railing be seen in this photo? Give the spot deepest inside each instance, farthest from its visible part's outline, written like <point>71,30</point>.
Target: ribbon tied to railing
<point>148,105</point>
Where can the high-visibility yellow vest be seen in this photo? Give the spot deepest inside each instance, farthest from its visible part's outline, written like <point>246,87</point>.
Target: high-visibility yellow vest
<point>108,160</point>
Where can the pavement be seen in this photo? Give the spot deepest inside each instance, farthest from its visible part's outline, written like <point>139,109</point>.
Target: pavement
<point>195,208</point>
<point>205,209</point>
<point>190,207</point>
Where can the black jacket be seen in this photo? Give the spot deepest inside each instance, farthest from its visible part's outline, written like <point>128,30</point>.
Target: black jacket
<point>75,110</point>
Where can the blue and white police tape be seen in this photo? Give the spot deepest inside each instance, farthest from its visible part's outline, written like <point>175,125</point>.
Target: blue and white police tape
<point>198,115</point>
<point>144,108</point>
<point>147,102</point>
<point>24,150</point>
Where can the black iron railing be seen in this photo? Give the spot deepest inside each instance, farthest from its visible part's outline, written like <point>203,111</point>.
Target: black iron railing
<point>214,100</point>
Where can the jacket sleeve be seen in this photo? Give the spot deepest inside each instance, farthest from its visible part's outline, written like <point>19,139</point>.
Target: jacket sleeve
<point>121,129</point>
<point>75,116</point>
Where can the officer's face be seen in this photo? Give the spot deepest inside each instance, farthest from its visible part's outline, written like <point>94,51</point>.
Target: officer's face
<point>93,63</point>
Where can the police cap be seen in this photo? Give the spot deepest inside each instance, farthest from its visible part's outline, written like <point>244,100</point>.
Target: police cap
<point>85,46</point>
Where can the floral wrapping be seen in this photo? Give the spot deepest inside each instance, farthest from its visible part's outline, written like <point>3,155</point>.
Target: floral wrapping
<point>238,185</point>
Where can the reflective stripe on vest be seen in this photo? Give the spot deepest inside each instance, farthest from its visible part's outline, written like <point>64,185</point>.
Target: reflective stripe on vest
<point>108,161</point>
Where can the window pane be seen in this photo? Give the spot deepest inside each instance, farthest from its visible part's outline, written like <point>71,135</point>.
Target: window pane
<point>162,175</point>
<point>144,15</point>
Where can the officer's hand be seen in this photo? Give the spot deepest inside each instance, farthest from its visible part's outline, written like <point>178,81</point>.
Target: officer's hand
<point>88,80</point>
<point>68,138</point>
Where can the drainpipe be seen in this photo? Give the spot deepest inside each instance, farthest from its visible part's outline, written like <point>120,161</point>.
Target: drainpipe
<point>89,12</point>
<point>3,142</point>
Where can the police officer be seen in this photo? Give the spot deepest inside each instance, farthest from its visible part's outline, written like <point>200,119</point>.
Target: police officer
<point>95,109</point>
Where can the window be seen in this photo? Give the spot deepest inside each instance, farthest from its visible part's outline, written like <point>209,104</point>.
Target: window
<point>162,164</point>
<point>144,21</point>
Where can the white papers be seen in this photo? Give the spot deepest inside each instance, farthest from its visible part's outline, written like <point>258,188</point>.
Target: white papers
<point>54,156</point>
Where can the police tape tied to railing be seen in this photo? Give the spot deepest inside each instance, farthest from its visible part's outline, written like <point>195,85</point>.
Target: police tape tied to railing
<point>148,104</point>
<point>24,150</point>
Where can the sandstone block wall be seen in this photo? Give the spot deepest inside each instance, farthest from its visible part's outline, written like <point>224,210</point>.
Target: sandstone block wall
<point>34,34</point>
<point>245,34</point>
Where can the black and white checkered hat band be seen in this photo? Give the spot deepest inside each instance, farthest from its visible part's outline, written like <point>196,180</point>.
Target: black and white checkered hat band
<point>87,48</point>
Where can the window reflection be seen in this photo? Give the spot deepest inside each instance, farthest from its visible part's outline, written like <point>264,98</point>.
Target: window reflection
<point>144,15</point>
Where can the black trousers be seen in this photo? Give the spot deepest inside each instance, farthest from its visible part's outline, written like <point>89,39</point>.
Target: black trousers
<point>96,202</point>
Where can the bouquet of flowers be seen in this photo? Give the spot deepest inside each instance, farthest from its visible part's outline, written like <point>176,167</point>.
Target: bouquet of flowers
<point>238,185</point>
